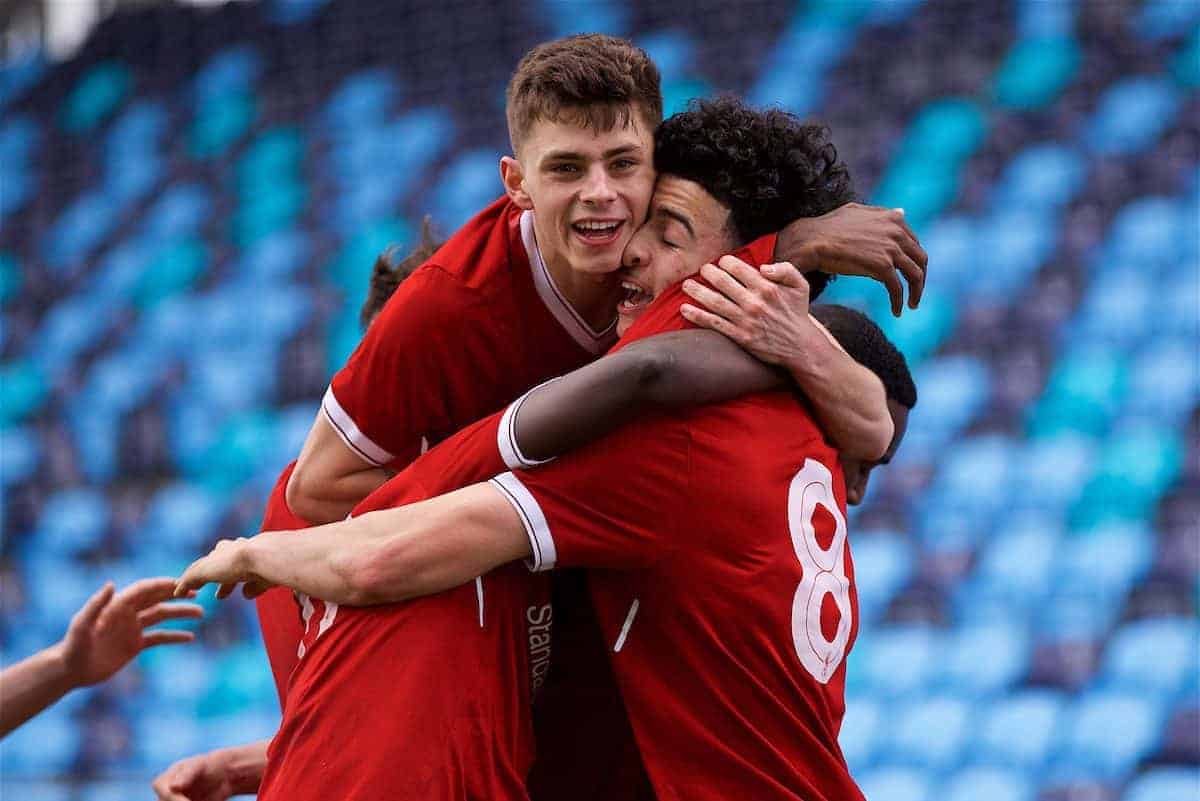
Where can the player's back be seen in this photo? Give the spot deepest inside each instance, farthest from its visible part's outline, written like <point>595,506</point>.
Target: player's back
<point>733,663</point>
<point>423,699</point>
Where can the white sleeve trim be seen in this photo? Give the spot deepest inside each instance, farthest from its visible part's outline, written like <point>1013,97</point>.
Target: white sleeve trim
<point>545,555</point>
<point>506,436</point>
<point>350,433</point>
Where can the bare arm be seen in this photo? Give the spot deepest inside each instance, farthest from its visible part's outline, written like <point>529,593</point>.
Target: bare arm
<point>214,776</point>
<point>380,557</point>
<point>330,478</point>
<point>672,370</point>
<point>102,638</point>
<point>769,317</point>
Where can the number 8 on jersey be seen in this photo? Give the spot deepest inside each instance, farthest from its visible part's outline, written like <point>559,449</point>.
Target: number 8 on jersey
<point>824,572</point>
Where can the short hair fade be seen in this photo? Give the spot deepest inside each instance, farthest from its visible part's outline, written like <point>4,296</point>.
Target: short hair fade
<point>869,346</point>
<point>592,79</point>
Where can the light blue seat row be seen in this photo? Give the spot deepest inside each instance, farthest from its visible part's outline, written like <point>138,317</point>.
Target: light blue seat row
<point>1152,656</point>
<point>883,564</point>
<point>1020,730</point>
<point>896,784</point>
<point>988,784</point>
<point>1165,784</point>
<point>235,69</point>
<point>1043,177</point>
<point>1132,114</point>
<point>361,98</point>
<point>464,187</point>
<point>1089,747</point>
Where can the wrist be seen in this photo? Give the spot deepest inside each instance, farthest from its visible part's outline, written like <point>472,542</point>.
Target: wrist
<point>811,355</point>
<point>56,666</point>
<point>799,243</point>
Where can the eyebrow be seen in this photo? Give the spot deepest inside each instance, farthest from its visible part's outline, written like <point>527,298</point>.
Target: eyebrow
<point>678,217</point>
<point>607,154</point>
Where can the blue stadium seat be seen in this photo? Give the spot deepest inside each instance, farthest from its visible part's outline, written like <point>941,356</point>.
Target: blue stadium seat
<point>1153,656</point>
<point>1166,18</point>
<point>883,564</point>
<point>113,790</point>
<point>897,784</point>
<point>98,93</point>
<point>862,731</point>
<point>72,521</point>
<point>1012,244</point>
<point>1132,114</point>
<point>45,746</point>
<point>986,658</point>
<point>1164,381</point>
<point>20,454</point>
<point>989,784</point>
<point>1105,560</point>
<point>464,187</point>
<point>566,17</point>
<point>21,71</point>
<point>78,230</point>
<point>69,327</point>
<point>182,517</point>
<point>952,391</point>
<point>134,179</point>
<point>136,133</point>
<point>231,71</point>
<point>930,732</point>
<point>976,475</point>
<point>35,790</point>
<point>363,97</point>
<point>1055,469</point>
<point>1043,176</point>
<point>949,241</point>
<point>19,139</point>
<point>1016,566</point>
<point>1111,311</point>
<point>672,50</point>
<point>1091,750</point>
<point>1152,233</point>
<point>1019,730</point>
<point>181,211</point>
<point>1139,463</point>
<point>897,661</point>
<point>1165,784</point>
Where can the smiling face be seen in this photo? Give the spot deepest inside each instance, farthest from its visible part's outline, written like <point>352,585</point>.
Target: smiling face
<point>589,189</point>
<point>686,229</point>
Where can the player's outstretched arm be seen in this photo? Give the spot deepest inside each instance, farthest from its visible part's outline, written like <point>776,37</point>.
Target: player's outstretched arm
<point>379,557</point>
<point>765,311</point>
<point>214,776</point>
<point>859,240</point>
<point>104,635</point>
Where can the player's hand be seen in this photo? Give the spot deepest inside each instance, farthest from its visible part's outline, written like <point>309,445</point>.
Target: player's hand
<point>110,629</point>
<point>228,565</point>
<point>205,777</point>
<point>764,310</point>
<point>860,240</point>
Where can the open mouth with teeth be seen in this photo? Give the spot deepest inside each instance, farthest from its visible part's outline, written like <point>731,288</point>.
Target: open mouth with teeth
<point>634,299</point>
<point>598,232</point>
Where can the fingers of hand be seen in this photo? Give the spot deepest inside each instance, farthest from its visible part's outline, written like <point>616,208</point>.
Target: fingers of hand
<point>147,592</point>
<point>168,611</point>
<point>713,301</point>
<point>742,272</point>
<point>166,637</point>
<point>90,612</point>
<point>725,283</point>
<point>785,273</point>
<point>891,280</point>
<point>915,277</point>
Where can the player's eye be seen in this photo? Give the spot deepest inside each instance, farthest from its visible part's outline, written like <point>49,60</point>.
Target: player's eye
<point>565,169</point>
<point>624,164</point>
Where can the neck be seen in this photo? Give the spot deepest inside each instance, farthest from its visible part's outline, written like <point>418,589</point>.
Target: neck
<point>593,296</point>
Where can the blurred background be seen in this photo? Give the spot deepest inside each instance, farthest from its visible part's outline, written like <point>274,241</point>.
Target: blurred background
<point>191,198</point>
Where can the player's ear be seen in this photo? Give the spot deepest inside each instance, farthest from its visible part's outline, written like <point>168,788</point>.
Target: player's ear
<point>514,182</point>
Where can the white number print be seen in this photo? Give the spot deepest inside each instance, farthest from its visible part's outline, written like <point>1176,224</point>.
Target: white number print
<point>824,572</point>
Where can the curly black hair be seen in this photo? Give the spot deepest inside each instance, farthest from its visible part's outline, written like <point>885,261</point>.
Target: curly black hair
<point>391,269</point>
<point>766,165</point>
<point>869,346</point>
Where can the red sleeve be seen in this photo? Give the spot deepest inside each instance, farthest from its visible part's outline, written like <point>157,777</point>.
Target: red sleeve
<point>420,368</point>
<point>614,503</point>
<point>278,616</point>
<point>480,451</point>
<point>663,314</point>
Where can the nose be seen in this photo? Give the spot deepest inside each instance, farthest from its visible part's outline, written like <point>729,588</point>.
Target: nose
<point>597,189</point>
<point>635,256</point>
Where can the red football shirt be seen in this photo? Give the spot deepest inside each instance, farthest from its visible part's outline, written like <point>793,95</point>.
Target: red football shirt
<point>473,328</point>
<point>424,699</point>
<point>278,616</point>
<point>722,580</point>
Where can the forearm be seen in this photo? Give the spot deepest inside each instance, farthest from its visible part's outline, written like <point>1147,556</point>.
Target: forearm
<point>31,685</point>
<point>330,478</point>
<point>673,370</point>
<point>847,399</point>
<point>244,765</point>
<point>393,554</point>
